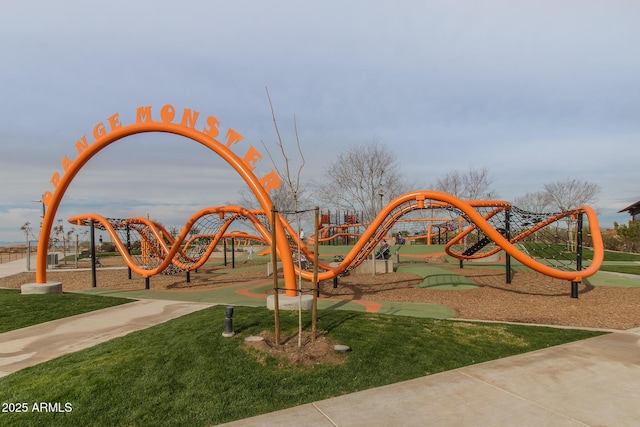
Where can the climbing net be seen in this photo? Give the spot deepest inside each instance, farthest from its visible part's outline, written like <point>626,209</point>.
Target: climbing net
<point>550,243</point>
<point>148,244</point>
<point>551,238</point>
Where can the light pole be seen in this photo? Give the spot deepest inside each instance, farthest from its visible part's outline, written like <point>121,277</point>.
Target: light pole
<point>41,201</point>
<point>381,194</point>
<point>43,208</point>
<point>27,228</point>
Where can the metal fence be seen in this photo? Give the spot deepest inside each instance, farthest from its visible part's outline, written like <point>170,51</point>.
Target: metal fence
<point>12,255</point>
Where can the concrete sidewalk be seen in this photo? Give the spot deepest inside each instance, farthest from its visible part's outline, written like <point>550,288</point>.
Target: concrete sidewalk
<point>14,267</point>
<point>36,344</point>
<point>594,382</point>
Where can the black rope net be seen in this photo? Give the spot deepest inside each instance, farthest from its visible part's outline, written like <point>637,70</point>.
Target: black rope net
<point>148,243</point>
<point>550,238</point>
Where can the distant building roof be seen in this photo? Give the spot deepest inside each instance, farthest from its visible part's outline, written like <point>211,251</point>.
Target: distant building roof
<point>634,208</point>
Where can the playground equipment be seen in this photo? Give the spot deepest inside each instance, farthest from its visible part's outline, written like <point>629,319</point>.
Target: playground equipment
<point>550,243</point>
<point>483,227</point>
<point>345,228</point>
<point>189,250</point>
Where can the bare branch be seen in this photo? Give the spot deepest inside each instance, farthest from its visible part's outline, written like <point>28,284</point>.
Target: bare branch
<point>295,127</point>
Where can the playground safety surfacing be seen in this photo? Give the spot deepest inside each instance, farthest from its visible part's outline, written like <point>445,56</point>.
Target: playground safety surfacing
<point>254,294</point>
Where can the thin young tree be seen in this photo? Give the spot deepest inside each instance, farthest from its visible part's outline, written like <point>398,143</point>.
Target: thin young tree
<point>292,183</point>
<point>281,198</point>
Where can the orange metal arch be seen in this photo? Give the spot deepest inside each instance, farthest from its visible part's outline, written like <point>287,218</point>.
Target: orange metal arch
<point>148,126</point>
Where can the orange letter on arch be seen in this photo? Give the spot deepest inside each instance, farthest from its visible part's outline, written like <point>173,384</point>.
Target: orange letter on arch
<point>189,118</point>
<point>252,157</point>
<point>46,198</point>
<point>143,114</point>
<point>114,121</point>
<point>270,181</point>
<point>82,145</point>
<point>66,163</point>
<point>167,113</point>
<point>213,124</point>
<point>55,179</point>
<point>99,130</point>
<point>233,137</point>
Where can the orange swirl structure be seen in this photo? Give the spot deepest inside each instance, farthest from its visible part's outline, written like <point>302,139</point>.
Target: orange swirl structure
<point>181,254</point>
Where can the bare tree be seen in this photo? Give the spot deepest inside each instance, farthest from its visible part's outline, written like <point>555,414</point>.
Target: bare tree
<point>60,235</point>
<point>452,183</point>
<point>571,193</point>
<point>472,184</point>
<point>27,230</point>
<point>364,178</point>
<point>533,202</point>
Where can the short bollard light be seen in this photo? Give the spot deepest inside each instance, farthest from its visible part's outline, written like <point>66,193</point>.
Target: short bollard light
<point>228,323</point>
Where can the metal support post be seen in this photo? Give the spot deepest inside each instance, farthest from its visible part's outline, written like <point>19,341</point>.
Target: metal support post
<point>507,235</point>
<point>574,285</point>
<point>129,248</point>
<point>274,262</point>
<point>92,232</point>
<point>224,250</point>
<point>233,253</point>
<point>316,294</point>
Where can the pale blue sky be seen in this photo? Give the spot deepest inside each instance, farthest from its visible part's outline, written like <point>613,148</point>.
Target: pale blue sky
<point>536,91</point>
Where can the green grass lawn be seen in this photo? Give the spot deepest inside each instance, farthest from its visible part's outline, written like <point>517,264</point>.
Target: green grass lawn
<point>184,373</point>
<point>620,256</point>
<point>19,311</point>
<point>626,269</point>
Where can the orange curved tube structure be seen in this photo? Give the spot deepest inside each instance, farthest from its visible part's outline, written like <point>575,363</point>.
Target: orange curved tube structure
<point>168,254</point>
<point>480,221</point>
<point>368,241</point>
<point>468,231</point>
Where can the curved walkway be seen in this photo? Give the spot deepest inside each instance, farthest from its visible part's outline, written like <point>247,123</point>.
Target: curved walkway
<point>32,345</point>
<point>592,382</point>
